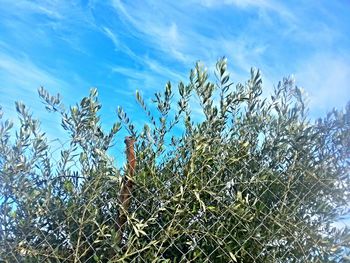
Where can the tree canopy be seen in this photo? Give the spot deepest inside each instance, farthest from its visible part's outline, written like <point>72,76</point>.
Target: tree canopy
<point>253,179</point>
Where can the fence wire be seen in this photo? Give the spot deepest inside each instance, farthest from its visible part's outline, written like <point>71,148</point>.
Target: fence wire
<point>235,207</point>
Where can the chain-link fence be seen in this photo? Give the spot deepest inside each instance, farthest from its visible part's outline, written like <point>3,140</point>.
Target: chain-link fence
<point>233,208</point>
<point>252,181</point>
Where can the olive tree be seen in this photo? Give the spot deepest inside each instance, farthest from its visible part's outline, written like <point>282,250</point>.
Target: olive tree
<point>223,174</point>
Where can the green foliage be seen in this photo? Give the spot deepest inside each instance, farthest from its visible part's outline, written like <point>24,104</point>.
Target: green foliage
<point>252,179</point>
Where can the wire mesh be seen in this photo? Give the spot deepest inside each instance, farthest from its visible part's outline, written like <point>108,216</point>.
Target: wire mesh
<point>254,181</point>
<point>234,208</point>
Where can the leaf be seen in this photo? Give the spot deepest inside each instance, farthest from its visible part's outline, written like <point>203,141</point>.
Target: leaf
<point>68,186</point>
<point>202,205</point>
<point>233,257</point>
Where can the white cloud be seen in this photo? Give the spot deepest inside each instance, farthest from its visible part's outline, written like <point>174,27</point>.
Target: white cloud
<point>19,80</point>
<point>163,34</point>
<point>148,66</point>
<point>187,37</point>
<point>151,75</point>
<point>23,73</point>
<point>163,70</point>
<point>45,21</point>
<point>239,3</point>
<point>325,78</point>
<point>262,5</point>
<point>174,36</point>
<point>119,45</point>
<point>62,10</point>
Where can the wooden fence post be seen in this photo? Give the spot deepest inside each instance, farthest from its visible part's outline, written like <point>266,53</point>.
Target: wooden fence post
<point>126,189</point>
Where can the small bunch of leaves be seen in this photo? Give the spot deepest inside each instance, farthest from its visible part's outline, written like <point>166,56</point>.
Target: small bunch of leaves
<point>256,180</point>
<point>57,204</point>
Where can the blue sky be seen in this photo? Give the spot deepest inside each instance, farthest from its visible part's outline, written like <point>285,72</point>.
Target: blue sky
<point>120,46</point>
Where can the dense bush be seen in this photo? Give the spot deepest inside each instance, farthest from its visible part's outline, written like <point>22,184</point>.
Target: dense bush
<point>250,179</point>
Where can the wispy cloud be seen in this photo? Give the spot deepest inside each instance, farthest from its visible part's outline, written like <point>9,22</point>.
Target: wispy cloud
<point>47,21</point>
<point>186,39</point>
<point>269,5</point>
<point>20,78</point>
<point>126,46</point>
<point>118,44</point>
<point>326,78</point>
<point>277,37</point>
<point>164,34</point>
